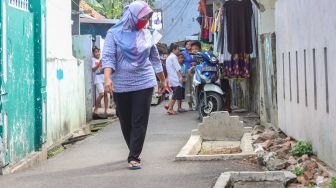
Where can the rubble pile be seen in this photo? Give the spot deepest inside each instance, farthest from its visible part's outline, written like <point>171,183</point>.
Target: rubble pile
<point>274,148</point>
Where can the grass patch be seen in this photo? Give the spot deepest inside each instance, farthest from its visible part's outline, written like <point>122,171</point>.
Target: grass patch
<point>333,182</point>
<point>302,148</point>
<point>55,151</point>
<point>311,186</point>
<point>298,171</point>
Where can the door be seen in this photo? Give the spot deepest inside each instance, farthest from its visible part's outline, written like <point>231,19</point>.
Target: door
<point>18,83</point>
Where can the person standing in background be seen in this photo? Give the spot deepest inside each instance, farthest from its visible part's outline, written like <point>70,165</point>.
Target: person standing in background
<point>188,60</point>
<point>99,82</point>
<point>184,73</point>
<point>174,78</point>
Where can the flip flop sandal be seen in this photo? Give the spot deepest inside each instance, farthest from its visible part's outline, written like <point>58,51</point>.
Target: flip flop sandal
<point>133,165</point>
<point>98,116</point>
<point>171,113</point>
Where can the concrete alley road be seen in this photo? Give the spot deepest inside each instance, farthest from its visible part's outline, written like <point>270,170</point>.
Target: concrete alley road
<point>100,161</point>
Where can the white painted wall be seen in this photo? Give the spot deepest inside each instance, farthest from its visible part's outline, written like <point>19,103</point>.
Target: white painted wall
<point>66,95</point>
<point>82,49</point>
<point>66,110</point>
<point>59,43</point>
<point>267,101</point>
<point>267,18</point>
<point>304,25</point>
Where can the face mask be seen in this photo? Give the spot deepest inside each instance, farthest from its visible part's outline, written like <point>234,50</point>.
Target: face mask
<point>141,24</point>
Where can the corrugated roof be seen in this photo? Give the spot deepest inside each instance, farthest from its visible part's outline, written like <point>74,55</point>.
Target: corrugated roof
<point>98,21</point>
<point>89,10</point>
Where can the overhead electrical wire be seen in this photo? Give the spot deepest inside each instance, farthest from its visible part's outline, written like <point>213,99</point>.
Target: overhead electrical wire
<point>167,5</point>
<point>178,15</point>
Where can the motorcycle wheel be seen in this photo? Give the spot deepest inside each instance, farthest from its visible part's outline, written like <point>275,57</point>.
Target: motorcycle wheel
<point>215,103</point>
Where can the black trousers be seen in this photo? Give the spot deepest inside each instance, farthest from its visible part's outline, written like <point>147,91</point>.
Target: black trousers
<point>133,112</point>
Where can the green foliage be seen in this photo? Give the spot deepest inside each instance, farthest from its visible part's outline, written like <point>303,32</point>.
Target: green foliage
<point>55,151</point>
<point>333,182</point>
<point>297,171</point>
<point>302,148</point>
<point>111,9</point>
<point>310,186</point>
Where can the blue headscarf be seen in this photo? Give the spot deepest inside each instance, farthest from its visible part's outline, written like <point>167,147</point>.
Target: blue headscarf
<point>135,45</point>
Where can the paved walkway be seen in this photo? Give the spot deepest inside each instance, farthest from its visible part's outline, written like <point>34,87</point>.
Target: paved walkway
<point>100,161</point>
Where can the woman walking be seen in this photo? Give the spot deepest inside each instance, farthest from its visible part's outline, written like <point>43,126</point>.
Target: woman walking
<point>133,60</point>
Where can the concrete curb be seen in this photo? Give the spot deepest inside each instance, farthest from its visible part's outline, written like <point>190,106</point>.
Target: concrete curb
<point>193,145</point>
<point>227,178</point>
<point>28,162</point>
<point>190,151</point>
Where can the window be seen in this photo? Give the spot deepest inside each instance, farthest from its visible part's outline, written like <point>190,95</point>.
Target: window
<point>20,4</point>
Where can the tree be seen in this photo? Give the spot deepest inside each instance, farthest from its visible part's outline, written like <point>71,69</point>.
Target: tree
<point>112,9</point>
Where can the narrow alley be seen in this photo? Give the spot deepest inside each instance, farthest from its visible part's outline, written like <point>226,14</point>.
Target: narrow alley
<point>99,161</point>
<point>167,94</point>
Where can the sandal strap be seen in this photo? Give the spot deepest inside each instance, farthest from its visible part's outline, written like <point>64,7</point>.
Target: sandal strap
<point>134,163</point>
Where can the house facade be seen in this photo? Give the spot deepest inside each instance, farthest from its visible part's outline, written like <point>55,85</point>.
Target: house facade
<point>42,84</point>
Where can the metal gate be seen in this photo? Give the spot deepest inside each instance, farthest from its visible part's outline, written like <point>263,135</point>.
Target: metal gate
<point>21,82</point>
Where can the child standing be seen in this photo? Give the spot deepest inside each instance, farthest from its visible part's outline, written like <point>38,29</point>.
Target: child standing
<point>174,78</point>
<point>184,73</point>
<point>99,82</point>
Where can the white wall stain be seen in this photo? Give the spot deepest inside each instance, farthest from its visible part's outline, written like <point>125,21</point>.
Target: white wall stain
<point>2,153</point>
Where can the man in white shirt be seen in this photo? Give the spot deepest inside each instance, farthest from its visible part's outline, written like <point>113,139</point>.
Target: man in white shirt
<point>174,77</point>
<point>99,80</point>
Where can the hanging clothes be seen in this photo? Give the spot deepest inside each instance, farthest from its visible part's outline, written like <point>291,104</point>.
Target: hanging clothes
<point>221,33</point>
<point>210,33</point>
<point>239,26</point>
<point>222,43</point>
<point>213,22</point>
<point>205,29</point>
<point>237,39</point>
<point>237,68</point>
<point>215,31</point>
<point>202,7</point>
<point>254,33</point>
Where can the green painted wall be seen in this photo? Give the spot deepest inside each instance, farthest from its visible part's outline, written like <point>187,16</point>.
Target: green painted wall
<point>2,160</point>
<point>39,7</point>
<point>22,83</point>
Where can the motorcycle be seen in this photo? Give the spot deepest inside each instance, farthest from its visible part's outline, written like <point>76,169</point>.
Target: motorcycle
<point>207,94</point>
